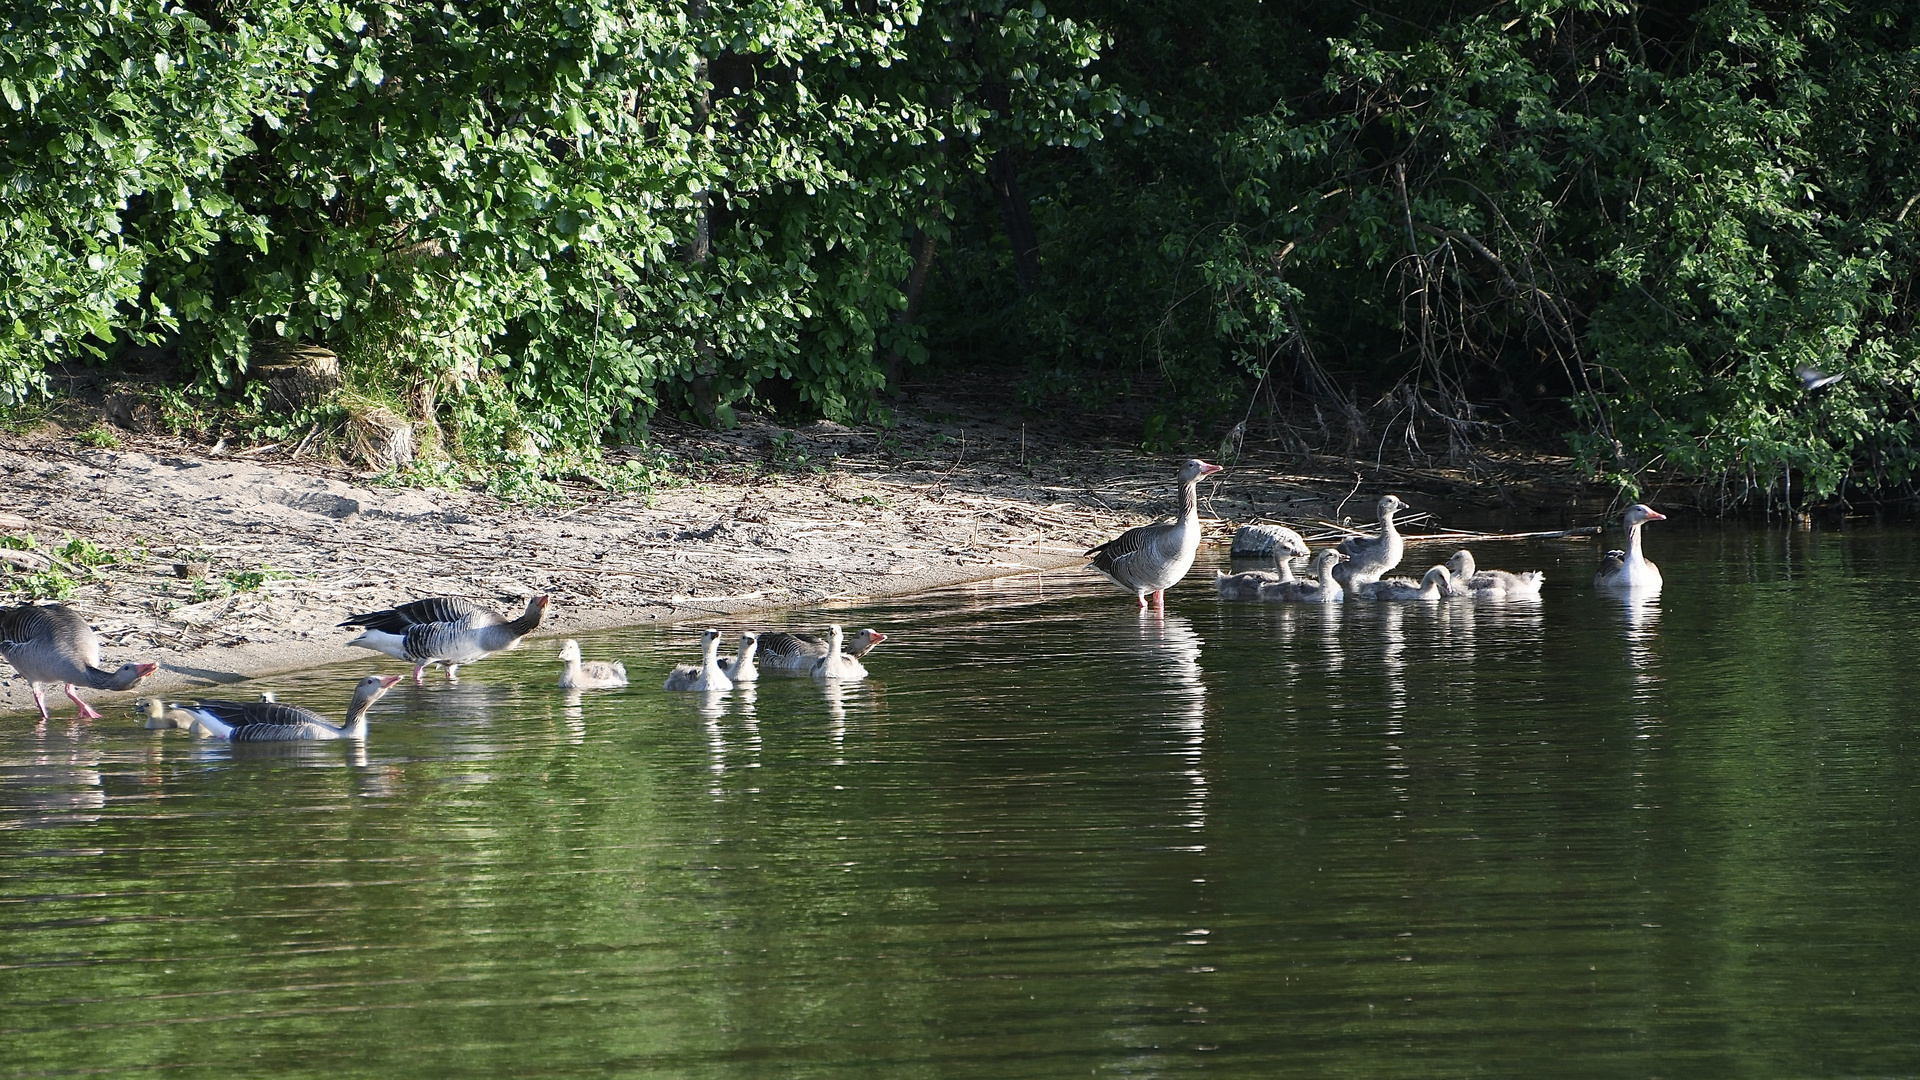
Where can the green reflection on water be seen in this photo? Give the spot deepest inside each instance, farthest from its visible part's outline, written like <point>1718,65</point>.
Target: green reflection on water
<point>1048,838</point>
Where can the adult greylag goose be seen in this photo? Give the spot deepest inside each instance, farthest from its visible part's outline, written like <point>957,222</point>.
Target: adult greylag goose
<point>1319,588</point>
<point>1491,586</point>
<point>443,630</point>
<point>271,721</point>
<point>1153,558</point>
<point>1369,557</point>
<point>706,675</point>
<point>797,653</point>
<point>1629,570</point>
<point>588,674</point>
<point>837,665</point>
<point>1431,586</point>
<point>51,645</point>
<point>740,667</point>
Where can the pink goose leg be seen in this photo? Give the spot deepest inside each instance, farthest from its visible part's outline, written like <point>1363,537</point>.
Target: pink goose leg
<point>86,710</point>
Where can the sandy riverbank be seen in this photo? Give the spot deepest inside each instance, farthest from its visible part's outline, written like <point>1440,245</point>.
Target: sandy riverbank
<point>766,518</point>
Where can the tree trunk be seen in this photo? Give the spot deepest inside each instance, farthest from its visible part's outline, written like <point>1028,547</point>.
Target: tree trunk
<point>1003,173</point>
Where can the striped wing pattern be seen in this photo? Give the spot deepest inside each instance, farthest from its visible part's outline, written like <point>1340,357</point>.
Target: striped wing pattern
<point>435,609</point>
<point>267,721</point>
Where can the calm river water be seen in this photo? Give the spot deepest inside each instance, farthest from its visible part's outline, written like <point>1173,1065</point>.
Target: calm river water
<point>1049,838</point>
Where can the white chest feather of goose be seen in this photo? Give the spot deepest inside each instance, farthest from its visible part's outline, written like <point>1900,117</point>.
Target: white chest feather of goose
<point>1149,560</point>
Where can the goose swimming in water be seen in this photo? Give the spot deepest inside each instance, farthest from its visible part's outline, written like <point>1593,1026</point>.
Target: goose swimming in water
<point>1630,571</point>
<point>1491,586</point>
<point>707,674</point>
<point>1434,585</point>
<point>1282,544</point>
<point>1319,588</point>
<point>837,665</point>
<point>797,653</point>
<point>1369,557</point>
<point>51,645</point>
<point>271,721</point>
<point>443,630</point>
<point>1149,560</point>
<point>588,674</point>
<point>740,666</point>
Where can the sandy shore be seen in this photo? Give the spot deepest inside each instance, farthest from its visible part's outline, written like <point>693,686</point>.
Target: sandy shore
<point>764,518</point>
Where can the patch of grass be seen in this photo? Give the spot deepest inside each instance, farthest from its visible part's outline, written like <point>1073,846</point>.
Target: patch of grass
<point>246,581</point>
<point>85,553</point>
<point>100,437</point>
<point>47,585</point>
<point>17,543</point>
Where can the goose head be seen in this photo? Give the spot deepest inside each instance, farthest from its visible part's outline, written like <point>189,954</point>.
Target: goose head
<point>710,644</point>
<point>129,673</point>
<point>1324,560</point>
<point>367,691</point>
<point>864,641</point>
<point>1640,514</point>
<point>749,642</point>
<point>1461,565</point>
<point>1438,578</point>
<point>1194,469</point>
<point>537,608</point>
<point>155,710</point>
<point>569,651</point>
<point>1388,505</point>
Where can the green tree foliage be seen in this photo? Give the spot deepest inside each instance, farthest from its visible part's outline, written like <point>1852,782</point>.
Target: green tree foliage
<point>540,222</point>
<point>1630,224</point>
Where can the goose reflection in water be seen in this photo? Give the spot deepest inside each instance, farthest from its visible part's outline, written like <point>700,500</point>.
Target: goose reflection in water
<point>1168,647</point>
<point>48,792</point>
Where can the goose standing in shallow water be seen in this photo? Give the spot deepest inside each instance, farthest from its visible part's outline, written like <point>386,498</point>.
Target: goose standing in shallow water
<point>1369,557</point>
<point>1491,586</point>
<point>707,674</point>
<point>1434,585</point>
<point>1630,571</point>
<point>51,645</point>
<point>740,667</point>
<point>1319,588</point>
<point>837,665</point>
<point>588,675</point>
<point>443,630</point>
<point>270,721</point>
<point>1153,558</point>
<point>797,653</point>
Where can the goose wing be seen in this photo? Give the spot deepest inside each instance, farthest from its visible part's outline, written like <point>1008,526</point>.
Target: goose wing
<point>1117,555</point>
<point>255,721</point>
<point>434,609</point>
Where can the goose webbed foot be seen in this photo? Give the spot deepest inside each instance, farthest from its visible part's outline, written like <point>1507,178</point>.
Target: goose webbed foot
<point>86,711</point>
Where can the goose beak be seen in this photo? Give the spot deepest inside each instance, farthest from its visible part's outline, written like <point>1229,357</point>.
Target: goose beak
<point>1208,470</point>
<point>146,669</point>
<point>387,681</point>
<point>1655,515</point>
